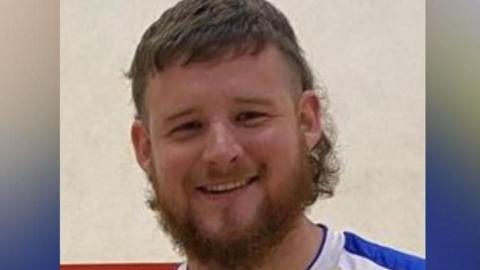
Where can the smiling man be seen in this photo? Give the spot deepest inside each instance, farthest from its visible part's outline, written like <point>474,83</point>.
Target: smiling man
<point>233,140</point>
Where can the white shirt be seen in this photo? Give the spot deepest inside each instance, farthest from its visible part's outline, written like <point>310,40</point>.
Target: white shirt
<point>347,251</point>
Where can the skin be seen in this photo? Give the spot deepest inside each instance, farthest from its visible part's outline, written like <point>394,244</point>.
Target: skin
<point>228,120</point>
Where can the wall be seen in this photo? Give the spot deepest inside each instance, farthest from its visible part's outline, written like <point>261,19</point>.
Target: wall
<point>371,56</point>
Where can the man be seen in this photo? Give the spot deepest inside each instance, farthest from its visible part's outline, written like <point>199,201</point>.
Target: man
<point>233,140</point>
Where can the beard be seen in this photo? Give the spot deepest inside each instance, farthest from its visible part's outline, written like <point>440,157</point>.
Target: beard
<point>247,248</point>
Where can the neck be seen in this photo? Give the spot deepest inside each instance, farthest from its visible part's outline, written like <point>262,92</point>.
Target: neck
<point>295,252</point>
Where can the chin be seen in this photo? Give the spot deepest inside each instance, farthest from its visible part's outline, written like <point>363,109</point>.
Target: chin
<point>225,227</point>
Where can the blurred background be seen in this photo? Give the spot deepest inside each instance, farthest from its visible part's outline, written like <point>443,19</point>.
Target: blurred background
<point>29,134</point>
<point>453,132</point>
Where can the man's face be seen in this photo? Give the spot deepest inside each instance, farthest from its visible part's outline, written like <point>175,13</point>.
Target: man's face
<point>225,140</point>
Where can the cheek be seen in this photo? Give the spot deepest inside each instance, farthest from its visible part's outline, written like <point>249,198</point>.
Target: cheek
<point>278,149</point>
<point>277,142</point>
<point>172,165</point>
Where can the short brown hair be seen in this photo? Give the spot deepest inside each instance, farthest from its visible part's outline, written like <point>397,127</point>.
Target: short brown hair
<point>199,30</point>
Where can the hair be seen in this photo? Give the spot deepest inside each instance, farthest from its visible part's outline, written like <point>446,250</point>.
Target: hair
<point>202,30</point>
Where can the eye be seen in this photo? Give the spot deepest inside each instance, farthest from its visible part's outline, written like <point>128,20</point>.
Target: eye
<point>186,129</point>
<point>251,118</point>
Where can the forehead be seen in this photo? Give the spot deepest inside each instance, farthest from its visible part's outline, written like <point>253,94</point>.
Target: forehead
<point>265,74</point>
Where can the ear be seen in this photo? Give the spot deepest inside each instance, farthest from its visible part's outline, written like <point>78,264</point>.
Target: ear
<point>309,116</point>
<point>141,143</point>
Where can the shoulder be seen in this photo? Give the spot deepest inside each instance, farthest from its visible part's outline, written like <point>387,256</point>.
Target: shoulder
<point>360,253</point>
<point>348,251</point>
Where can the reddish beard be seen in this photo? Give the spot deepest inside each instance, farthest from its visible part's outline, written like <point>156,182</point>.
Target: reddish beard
<point>245,249</point>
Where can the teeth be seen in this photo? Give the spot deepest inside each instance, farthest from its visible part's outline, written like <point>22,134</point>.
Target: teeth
<point>227,186</point>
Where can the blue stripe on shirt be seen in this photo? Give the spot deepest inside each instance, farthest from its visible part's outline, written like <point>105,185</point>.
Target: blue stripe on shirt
<point>383,256</point>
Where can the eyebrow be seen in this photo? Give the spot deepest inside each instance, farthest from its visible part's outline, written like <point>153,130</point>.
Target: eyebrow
<point>179,114</point>
<point>244,100</point>
<point>253,100</point>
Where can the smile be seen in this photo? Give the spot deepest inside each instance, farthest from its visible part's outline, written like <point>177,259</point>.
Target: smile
<point>227,187</point>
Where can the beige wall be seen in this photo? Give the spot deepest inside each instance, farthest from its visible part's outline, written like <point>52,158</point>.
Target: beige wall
<point>369,53</point>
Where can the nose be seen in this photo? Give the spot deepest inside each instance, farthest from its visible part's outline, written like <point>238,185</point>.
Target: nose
<point>222,149</point>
